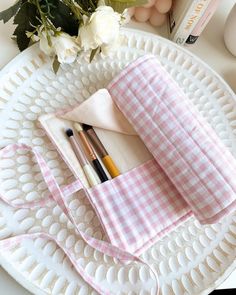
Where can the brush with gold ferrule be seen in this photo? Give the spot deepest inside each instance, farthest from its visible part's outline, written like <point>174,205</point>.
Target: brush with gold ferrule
<point>97,165</point>
<point>106,158</point>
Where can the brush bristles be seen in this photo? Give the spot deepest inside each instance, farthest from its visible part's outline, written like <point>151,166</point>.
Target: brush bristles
<point>86,127</point>
<point>78,127</point>
<point>69,132</point>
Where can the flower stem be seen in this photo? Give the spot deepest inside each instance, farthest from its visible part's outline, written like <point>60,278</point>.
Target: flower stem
<point>44,22</point>
<point>76,8</point>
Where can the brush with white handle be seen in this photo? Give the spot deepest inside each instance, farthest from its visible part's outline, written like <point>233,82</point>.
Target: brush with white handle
<point>89,149</point>
<point>88,170</point>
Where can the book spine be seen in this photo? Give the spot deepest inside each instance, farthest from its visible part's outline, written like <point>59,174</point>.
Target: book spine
<point>200,26</point>
<point>193,15</point>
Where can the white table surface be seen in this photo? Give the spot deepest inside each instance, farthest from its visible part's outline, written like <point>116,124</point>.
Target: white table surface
<point>210,48</point>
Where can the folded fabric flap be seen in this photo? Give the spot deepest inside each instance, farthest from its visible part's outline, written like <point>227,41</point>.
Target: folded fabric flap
<point>100,111</point>
<point>182,142</point>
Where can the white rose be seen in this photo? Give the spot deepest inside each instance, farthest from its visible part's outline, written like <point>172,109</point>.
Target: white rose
<point>110,48</point>
<point>86,36</point>
<point>105,24</point>
<point>65,48</point>
<point>102,28</point>
<point>43,44</point>
<point>62,45</point>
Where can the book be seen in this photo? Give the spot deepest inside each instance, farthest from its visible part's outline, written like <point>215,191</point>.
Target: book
<point>203,21</point>
<point>183,18</point>
<point>177,13</point>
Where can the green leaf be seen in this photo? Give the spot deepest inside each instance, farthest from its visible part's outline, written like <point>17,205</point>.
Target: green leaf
<point>61,16</point>
<point>55,65</point>
<point>89,5</point>
<point>25,20</point>
<point>7,14</point>
<point>92,54</point>
<point>121,5</point>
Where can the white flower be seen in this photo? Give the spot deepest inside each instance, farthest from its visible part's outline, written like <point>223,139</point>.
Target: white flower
<point>102,28</point>
<point>65,48</point>
<point>86,36</point>
<point>110,48</point>
<point>43,43</point>
<point>35,38</point>
<point>32,36</point>
<point>62,45</point>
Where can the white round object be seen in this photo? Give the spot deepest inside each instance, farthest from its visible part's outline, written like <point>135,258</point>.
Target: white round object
<point>230,31</point>
<point>187,259</point>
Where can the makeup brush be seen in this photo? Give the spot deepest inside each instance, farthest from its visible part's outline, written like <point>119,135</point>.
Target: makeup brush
<point>97,165</point>
<point>88,171</point>
<point>106,158</point>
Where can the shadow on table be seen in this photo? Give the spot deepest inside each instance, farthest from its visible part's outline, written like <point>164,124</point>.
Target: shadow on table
<point>224,291</point>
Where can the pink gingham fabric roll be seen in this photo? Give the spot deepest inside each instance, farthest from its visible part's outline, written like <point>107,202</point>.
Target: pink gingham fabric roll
<point>138,207</point>
<point>185,146</point>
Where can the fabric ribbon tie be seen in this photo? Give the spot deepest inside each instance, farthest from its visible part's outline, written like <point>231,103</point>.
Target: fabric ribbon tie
<point>58,196</point>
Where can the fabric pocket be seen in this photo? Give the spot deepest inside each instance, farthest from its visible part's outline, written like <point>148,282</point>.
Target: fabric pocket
<point>138,207</point>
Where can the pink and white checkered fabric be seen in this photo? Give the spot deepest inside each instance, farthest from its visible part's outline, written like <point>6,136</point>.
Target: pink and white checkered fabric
<point>185,146</point>
<point>192,171</point>
<point>138,207</point>
<point>58,196</point>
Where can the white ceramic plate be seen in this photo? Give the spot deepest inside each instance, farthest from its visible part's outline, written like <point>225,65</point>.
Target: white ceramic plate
<point>193,259</point>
